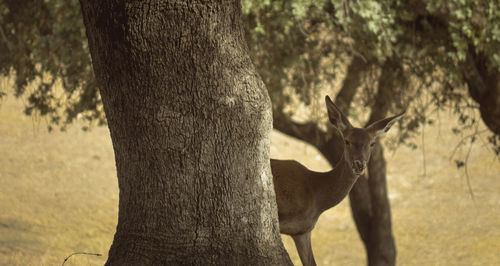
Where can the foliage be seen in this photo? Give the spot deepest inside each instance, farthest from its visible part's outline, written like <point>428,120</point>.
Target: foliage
<point>43,44</point>
<point>420,34</point>
<point>299,46</point>
<point>288,46</point>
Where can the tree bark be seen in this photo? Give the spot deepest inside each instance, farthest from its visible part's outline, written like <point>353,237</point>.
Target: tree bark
<point>190,122</point>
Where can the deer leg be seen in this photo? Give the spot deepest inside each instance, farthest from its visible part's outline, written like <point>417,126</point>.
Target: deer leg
<point>304,248</point>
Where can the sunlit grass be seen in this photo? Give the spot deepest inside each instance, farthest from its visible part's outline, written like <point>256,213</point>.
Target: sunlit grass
<point>58,195</point>
<point>58,192</point>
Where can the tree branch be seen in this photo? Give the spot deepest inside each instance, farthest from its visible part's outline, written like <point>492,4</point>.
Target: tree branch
<point>391,73</point>
<point>80,253</point>
<point>351,83</point>
<point>484,88</point>
<point>308,132</point>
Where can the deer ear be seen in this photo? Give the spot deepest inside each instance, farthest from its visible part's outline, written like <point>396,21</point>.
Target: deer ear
<point>335,115</point>
<point>382,126</point>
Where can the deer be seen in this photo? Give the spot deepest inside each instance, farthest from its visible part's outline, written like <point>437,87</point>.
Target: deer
<point>303,195</point>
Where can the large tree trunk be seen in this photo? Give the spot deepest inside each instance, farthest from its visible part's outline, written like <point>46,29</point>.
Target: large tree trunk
<point>190,122</point>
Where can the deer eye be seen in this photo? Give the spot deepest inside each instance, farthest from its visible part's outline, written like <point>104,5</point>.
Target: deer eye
<point>372,144</point>
<point>347,142</point>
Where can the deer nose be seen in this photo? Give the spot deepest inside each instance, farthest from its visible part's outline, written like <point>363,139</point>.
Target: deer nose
<point>358,165</point>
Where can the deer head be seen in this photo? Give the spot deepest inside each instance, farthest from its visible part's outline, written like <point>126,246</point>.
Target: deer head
<point>358,142</point>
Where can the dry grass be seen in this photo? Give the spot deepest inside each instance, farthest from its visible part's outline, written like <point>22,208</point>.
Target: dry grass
<point>58,192</point>
<point>58,195</point>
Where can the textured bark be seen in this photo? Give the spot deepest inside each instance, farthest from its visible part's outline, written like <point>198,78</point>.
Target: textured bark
<point>190,122</point>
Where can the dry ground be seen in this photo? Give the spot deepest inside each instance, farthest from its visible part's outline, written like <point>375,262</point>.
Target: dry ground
<point>58,195</point>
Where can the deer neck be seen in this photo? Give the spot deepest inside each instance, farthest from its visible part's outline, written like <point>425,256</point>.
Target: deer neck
<point>333,186</point>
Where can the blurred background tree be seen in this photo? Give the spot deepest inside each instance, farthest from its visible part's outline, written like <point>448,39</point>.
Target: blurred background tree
<point>377,57</point>
<point>43,48</point>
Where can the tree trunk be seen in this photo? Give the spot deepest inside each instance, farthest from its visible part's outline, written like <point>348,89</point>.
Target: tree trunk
<point>369,202</point>
<point>371,212</point>
<point>484,88</point>
<point>190,121</point>
<point>352,82</point>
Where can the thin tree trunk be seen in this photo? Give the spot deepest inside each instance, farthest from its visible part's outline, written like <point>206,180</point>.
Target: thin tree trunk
<point>190,122</point>
<point>371,212</point>
<point>352,82</point>
<point>369,202</point>
<point>484,88</point>
<point>381,245</point>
